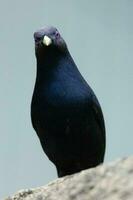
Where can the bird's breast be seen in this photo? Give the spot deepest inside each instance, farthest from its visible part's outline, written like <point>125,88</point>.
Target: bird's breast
<point>57,104</point>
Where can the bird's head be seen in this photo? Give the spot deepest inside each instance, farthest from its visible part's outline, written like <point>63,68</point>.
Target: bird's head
<point>49,43</point>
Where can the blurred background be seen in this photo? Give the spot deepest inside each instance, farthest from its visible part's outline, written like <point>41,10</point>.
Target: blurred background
<point>99,35</point>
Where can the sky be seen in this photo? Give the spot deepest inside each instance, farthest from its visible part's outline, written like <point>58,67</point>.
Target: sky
<point>99,35</point>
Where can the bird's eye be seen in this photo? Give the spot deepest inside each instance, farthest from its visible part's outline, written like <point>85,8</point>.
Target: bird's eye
<point>57,35</point>
<point>37,39</point>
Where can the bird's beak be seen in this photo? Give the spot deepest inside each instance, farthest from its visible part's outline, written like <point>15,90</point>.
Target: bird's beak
<point>46,40</point>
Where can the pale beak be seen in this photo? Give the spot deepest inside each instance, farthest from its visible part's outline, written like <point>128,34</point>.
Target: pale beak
<point>46,40</point>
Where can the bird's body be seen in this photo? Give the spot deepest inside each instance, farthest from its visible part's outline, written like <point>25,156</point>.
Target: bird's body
<point>65,111</point>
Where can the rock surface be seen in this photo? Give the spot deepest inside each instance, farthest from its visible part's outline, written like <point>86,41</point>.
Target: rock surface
<point>112,181</point>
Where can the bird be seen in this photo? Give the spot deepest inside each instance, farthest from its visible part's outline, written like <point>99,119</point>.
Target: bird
<point>65,112</point>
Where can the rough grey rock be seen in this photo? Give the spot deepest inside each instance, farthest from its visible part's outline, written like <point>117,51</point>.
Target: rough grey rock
<point>112,181</point>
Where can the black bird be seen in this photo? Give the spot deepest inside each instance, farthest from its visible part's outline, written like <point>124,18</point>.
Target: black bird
<point>65,112</point>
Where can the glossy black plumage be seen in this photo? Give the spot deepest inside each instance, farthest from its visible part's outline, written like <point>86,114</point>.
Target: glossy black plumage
<point>65,112</point>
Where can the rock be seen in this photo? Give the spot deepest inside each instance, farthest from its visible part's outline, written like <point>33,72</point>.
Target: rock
<point>112,181</point>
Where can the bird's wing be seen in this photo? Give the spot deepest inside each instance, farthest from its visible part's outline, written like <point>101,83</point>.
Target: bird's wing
<point>99,116</point>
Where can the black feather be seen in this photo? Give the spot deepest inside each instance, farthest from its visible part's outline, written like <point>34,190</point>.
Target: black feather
<point>65,111</point>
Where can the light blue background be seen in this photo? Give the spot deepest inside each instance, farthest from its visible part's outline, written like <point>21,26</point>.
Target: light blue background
<point>99,35</point>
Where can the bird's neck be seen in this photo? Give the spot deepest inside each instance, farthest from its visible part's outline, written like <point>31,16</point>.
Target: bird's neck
<point>47,65</point>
